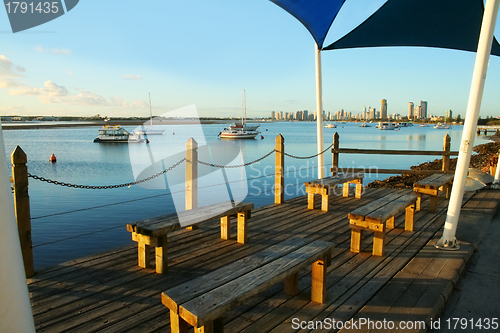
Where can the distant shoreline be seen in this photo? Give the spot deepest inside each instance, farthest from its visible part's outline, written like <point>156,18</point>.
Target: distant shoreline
<point>19,125</point>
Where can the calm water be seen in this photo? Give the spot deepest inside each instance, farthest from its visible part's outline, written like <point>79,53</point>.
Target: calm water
<point>97,218</point>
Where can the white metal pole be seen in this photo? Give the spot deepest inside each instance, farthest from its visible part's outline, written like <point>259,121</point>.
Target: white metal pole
<point>319,112</point>
<point>15,307</point>
<point>448,240</point>
<point>497,172</point>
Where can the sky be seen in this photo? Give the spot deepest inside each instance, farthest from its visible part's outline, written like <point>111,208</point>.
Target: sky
<point>104,57</point>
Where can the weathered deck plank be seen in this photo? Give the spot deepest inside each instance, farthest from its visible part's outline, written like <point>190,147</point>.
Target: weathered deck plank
<point>108,292</point>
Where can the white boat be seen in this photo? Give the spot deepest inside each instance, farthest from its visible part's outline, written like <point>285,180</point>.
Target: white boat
<point>330,125</point>
<point>240,132</point>
<point>245,127</point>
<point>422,125</point>
<point>150,130</point>
<point>109,133</point>
<point>386,126</point>
<point>364,125</point>
<point>442,126</point>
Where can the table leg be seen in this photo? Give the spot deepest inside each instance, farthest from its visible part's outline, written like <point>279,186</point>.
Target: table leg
<point>318,287</point>
<point>177,324</point>
<point>356,239</point>
<point>378,243</point>
<point>161,255</point>
<point>310,201</point>
<point>225,227</point>
<point>409,217</point>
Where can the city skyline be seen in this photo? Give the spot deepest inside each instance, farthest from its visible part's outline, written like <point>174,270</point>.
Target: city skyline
<point>203,54</point>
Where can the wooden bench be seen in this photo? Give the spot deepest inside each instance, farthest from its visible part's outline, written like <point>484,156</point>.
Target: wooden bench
<point>153,232</point>
<point>378,215</point>
<point>203,301</point>
<point>325,185</point>
<point>431,185</point>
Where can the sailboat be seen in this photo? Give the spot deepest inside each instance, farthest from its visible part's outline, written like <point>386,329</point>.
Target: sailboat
<point>242,132</point>
<point>150,130</point>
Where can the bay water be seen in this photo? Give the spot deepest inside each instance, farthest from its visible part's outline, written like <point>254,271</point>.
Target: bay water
<point>69,223</point>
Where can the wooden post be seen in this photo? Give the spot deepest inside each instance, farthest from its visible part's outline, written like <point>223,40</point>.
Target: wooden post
<point>446,149</point>
<point>22,207</point>
<point>279,178</point>
<point>335,156</point>
<point>191,176</point>
<point>318,280</point>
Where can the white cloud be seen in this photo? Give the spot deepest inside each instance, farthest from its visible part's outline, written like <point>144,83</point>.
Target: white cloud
<point>8,84</point>
<point>52,93</point>
<point>86,98</point>
<point>9,69</point>
<point>139,104</point>
<point>13,109</point>
<point>132,77</point>
<point>39,49</point>
<point>61,51</point>
<point>24,91</point>
<point>68,72</point>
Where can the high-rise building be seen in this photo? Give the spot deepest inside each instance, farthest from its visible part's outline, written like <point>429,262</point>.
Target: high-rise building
<point>305,115</point>
<point>449,114</point>
<point>273,115</point>
<point>423,110</point>
<point>383,109</point>
<point>418,112</point>
<point>411,113</point>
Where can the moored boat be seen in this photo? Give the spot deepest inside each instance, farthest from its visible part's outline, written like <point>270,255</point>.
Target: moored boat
<point>116,133</point>
<point>386,126</point>
<point>238,134</point>
<point>330,125</point>
<point>442,126</point>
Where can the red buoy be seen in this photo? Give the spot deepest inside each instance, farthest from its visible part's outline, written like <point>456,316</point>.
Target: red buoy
<point>52,158</point>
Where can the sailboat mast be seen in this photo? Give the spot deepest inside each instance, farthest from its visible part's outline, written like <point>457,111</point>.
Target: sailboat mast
<point>150,113</point>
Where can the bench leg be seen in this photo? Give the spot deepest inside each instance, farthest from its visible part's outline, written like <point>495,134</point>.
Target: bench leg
<point>144,255</point>
<point>390,222</point>
<point>433,204</point>
<point>292,284</point>
<point>161,255</point>
<point>177,324</point>
<point>225,227</point>
<point>447,189</point>
<point>418,204</point>
<point>409,217</point>
<point>242,227</point>
<point>378,243</point>
<point>318,287</point>
<point>356,239</point>
<point>310,201</point>
<point>346,189</point>
<point>215,326</point>
<point>324,202</point>
<point>359,189</point>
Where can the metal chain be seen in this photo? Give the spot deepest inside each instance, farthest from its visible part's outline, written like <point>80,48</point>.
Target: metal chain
<point>236,166</point>
<point>307,157</point>
<point>94,187</point>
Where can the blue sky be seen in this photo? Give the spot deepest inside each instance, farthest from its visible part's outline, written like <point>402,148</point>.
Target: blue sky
<point>104,57</point>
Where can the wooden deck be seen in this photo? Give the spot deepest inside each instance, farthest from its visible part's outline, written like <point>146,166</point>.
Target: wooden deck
<point>108,292</point>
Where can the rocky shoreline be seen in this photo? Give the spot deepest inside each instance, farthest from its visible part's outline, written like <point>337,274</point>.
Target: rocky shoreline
<point>485,153</point>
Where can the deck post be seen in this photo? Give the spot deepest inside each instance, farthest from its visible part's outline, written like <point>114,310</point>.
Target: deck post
<point>446,152</point>
<point>279,178</point>
<point>191,176</point>
<point>22,207</point>
<point>335,156</point>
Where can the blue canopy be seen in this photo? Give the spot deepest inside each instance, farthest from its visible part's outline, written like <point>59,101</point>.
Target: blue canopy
<point>316,15</point>
<point>432,23</point>
<point>453,24</point>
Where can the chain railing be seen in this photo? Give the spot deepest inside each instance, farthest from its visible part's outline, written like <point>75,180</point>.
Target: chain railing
<point>106,187</point>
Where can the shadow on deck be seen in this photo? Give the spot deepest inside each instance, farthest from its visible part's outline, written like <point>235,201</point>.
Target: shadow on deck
<point>109,292</point>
